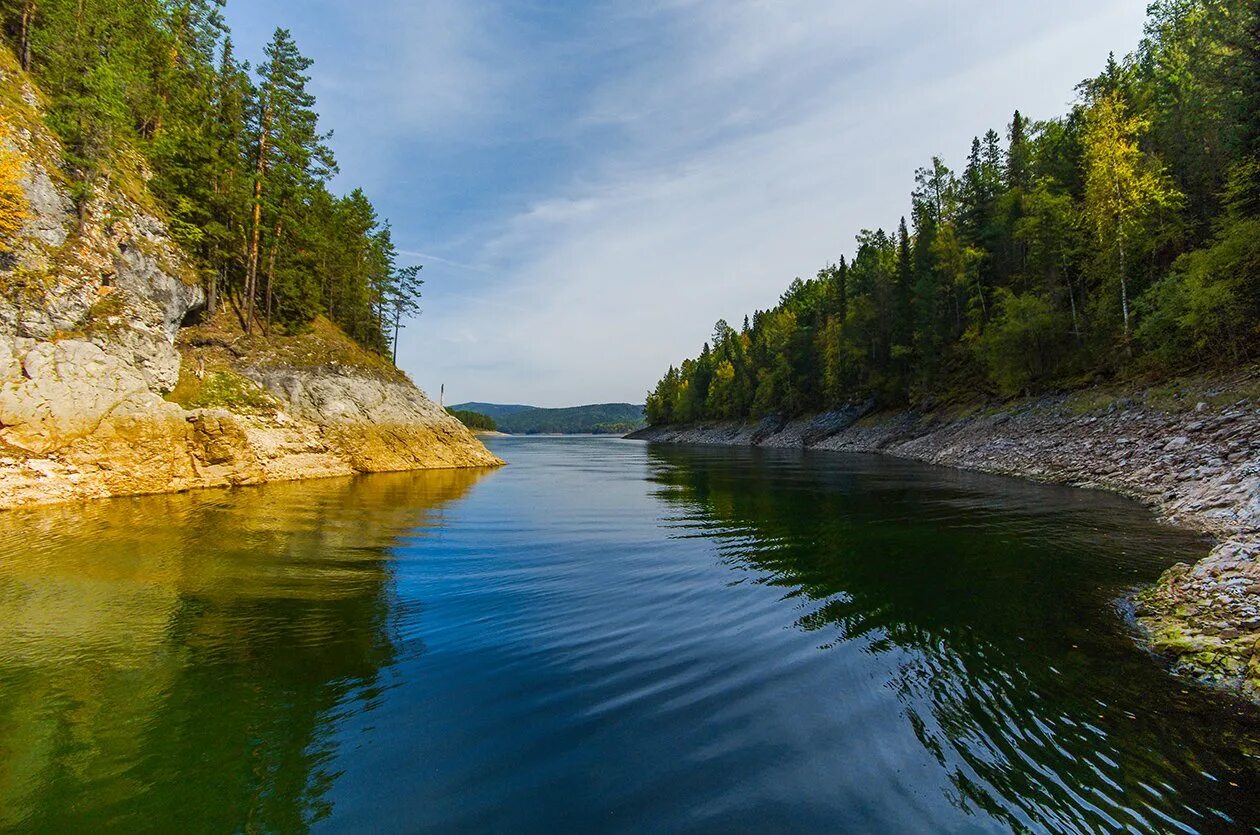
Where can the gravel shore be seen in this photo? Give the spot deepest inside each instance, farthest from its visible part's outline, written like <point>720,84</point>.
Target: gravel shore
<point>1197,465</point>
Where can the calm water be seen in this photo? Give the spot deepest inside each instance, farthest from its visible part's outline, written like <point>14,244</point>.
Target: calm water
<point>605,636</point>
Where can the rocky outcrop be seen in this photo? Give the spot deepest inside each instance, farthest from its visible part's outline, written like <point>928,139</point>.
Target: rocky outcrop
<point>1198,467</point>
<point>92,299</point>
<point>79,424</point>
<point>377,425</point>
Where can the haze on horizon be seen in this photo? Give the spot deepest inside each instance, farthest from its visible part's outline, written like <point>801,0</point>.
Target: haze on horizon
<point>590,186</point>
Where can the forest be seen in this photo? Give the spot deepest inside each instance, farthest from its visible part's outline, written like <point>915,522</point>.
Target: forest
<point>596,418</point>
<point>474,420</point>
<point>1119,241</point>
<point>234,154</point>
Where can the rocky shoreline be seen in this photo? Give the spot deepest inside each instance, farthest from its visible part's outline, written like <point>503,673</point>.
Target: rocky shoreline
<point>96,302</point>
<point>75,424</point>
<point>1197,464</point>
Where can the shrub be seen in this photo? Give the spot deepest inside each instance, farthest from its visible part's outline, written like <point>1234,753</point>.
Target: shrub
<point>1206,307</point>
<point>13,206</point>
<point>1022,343</point>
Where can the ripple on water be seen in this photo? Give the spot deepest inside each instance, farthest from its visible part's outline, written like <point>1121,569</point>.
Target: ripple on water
<point>605,636</point>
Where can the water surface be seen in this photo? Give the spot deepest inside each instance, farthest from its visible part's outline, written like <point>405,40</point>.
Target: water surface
<point>605,636</point>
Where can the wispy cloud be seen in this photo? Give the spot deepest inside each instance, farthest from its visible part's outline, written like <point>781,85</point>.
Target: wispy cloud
<point>646,168</point>
<point>425,256</point>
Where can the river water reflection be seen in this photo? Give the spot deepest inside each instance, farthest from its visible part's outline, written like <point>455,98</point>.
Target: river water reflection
<point>605,636</point>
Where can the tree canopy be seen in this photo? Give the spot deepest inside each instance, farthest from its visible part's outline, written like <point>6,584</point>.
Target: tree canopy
<point>1120,238</point>
<point>239,162</point>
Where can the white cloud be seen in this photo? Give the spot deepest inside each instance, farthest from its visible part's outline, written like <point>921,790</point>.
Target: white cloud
<point>755,140</point>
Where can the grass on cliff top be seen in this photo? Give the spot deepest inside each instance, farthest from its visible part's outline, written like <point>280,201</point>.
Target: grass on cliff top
<point>15,110</point>
<point>221,388</point>
<point>321,346</point>
<point>1218,390</point>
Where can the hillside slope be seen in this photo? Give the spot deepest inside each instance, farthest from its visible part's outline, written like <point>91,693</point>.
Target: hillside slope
<point>94,299</point>
<point>494,410</point>
<point>599,418</point>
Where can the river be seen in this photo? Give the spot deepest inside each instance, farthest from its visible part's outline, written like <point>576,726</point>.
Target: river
<point>606,636</point>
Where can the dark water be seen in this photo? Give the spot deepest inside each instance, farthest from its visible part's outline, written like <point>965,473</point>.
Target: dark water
<point>605,636</point>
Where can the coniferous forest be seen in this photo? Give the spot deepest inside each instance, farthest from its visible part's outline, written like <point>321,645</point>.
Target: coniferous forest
<point>1119,240</point>
<point>236,155</point>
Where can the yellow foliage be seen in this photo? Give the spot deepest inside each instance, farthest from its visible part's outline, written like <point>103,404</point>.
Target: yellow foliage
<point>1123,186</point>
<point>13,206</point>
<point>1125,189</point>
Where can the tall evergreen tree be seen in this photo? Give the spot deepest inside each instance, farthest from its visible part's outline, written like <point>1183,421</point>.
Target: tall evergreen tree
<point>292,160</point>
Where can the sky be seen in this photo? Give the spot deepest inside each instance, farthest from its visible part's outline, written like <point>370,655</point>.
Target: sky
<point>590,186</point>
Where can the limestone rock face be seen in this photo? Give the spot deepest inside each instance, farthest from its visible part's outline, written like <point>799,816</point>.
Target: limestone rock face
<point>146,349</point>
<point>379,425</point>
<point>169,298</point>
<point>92,299</point>
<point>78,422</point>
<point>67,389</point>
<point>51,210</point>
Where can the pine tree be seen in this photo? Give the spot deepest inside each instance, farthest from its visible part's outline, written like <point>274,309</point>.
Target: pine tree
<point>291,159</point>
<point>1019,155</point>
<point>403,301</point>
<point>903,326</point>
<point>1243,75</point>
<point>227,187</point>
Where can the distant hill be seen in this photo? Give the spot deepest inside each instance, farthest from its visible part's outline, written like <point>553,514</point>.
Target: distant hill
<point>475,421</point>
<point>494,410</point>
<point>601,418</point>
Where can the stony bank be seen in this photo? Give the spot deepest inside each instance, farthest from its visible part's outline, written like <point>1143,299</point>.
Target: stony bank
<point>1190,450</point>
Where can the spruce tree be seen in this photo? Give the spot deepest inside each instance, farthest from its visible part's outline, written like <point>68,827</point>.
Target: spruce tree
<point>291,159</point>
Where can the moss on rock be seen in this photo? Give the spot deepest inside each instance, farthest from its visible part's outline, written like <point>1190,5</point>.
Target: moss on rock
<point>221,389</point>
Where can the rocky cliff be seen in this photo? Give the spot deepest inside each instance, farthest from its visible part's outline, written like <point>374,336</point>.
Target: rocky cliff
<point>1191,453</point>
<point>94,299</point>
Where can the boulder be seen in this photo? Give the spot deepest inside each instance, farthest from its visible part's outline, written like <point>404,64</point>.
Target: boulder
<point>67,390</point>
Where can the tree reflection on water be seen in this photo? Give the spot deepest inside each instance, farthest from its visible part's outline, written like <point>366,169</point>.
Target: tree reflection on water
<point>996,600</point>
<point>188,657</point>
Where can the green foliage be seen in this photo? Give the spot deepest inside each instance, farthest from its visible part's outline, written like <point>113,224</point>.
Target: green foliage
<point>221,389</point>
<point>1208,307</point>
<point>474,420</point>
<point>1128,197</point>
<point>240,166</point>
<point>602,418</point>
<point>1122,237</point>
<point>1023,343</point>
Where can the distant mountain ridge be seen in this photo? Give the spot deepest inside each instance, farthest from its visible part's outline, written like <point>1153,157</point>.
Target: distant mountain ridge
<point>494,410</point>
<point>598,418</point>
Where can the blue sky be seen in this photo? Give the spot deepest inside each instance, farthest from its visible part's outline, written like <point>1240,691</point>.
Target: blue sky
<point>591,185</point>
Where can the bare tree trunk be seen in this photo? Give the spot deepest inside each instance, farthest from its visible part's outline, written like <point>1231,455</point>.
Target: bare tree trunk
<point>28,20</point>
<point>212,292</point>
<point>237,298</point>
<point>1124,296</point>
<point>397,321</point>
<point>1124,282</point>
<point>1067,278</point>
<point>251,270</point>
<point>328,299</point>
<point>271,270</point>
